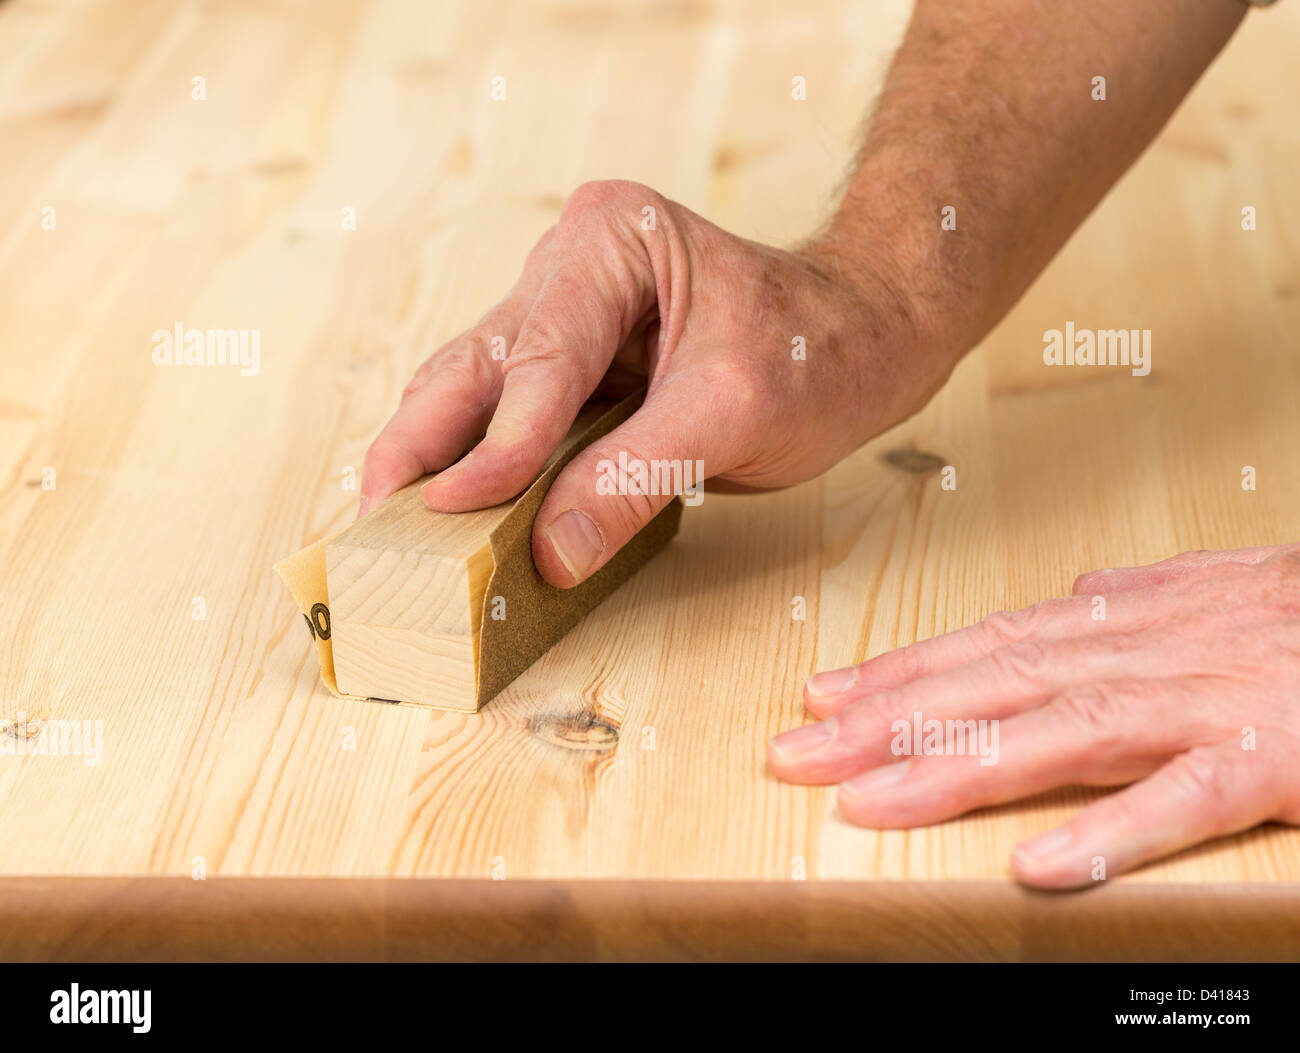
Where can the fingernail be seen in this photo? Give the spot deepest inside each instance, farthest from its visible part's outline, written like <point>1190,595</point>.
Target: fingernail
<point>805,739</point>
<point>877,779</point>
<point>577,541</point>
<point>364,508</point>
<point>1045,845</point>
<point>832,682</point>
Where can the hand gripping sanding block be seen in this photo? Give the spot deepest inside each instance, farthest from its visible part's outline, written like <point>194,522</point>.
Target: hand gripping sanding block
<point>445,610</point>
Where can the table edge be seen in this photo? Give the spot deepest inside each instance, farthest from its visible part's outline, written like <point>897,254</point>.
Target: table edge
<point>107,918</point>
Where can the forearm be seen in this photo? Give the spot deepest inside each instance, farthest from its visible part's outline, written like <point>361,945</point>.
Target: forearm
<point>989,109</point>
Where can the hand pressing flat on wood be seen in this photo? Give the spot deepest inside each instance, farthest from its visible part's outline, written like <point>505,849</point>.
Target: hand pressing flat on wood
<point>1187,687</point>
<point>764,366</point>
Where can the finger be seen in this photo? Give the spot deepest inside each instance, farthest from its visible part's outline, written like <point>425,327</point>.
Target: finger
<point>435,422</point>
<point>1183,565</point>
<point>599,289</point>
<point>1005,682</point>
<point>619,483</point>
<point>827,692</point>
<point>1100,734</point>
<point>448,402</point>
<point>1207,792</point>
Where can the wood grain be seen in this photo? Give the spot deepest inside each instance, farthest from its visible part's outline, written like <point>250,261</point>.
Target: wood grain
<point>406,601</point>
<point>633,751</point>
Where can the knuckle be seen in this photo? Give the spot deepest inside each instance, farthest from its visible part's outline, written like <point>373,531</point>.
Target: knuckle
<point>629,507</point>
<point>540,360</point>
<point>1125,811</point>
<point>1012,627</point>
<point>741,384</point>
<point>541,340</point>
<point>908,663</point>
<point>887,708</point>
<point>468,359</point>
<point>586,196</point>
<point>1084,583</point>
<point>536,351</point>
<point>1202,778</point>
<point>624,514</point>
<point>873,720</point>
<point>1095,711</point>
<point>599,197</point>
<point>1020,662</point>
<point>635,511</point>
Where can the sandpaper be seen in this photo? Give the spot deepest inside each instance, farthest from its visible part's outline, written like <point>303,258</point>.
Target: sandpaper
<point>304,575</point>
<point>537,613</point>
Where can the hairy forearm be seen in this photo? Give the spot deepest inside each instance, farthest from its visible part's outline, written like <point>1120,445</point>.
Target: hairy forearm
<point>989,110</point>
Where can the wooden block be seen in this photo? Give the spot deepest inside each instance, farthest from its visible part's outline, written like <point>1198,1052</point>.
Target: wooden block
<point>406,592</point>
<point>408,589</point>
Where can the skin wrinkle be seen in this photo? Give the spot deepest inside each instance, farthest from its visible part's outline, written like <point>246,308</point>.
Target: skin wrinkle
<point>671,264</point>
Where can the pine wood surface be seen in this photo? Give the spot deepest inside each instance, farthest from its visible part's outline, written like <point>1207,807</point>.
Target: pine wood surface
<point>633,751</point>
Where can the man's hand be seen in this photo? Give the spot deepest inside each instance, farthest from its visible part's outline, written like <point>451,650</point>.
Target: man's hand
<point>983,118</point>
<point>767,366</point>
<point>1188,686</point>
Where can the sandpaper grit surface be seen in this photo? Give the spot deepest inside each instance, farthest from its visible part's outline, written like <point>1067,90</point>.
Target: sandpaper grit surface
<point>537,614</point>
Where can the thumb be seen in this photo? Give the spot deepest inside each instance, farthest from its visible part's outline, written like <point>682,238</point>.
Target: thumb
<point>614,488</point>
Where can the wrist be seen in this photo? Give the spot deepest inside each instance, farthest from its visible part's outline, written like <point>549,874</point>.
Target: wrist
<point>915,309</point>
